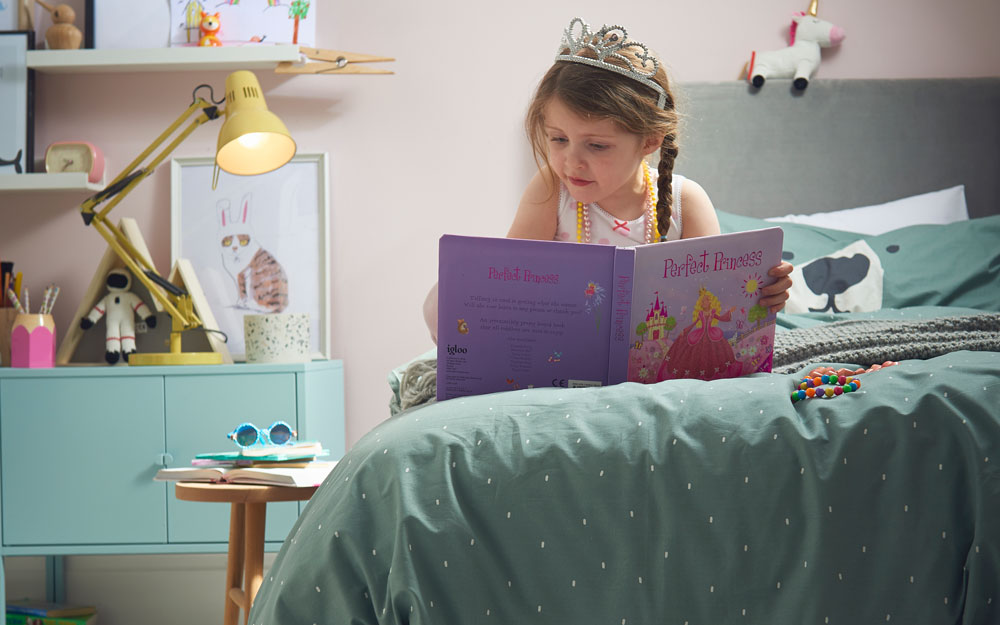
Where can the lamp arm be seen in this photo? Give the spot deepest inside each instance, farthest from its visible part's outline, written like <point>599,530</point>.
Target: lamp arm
<point>136,264</point>
<point>176,304</point>
<point>132,175</point>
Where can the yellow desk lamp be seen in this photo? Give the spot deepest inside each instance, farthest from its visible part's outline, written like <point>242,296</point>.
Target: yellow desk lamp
<point>252,141</point>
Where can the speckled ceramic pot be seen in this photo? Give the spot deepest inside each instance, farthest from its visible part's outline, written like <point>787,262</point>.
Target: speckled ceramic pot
<point>277,337</point>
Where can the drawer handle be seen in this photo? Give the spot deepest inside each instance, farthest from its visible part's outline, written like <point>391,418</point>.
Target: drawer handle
<point>166,460</point>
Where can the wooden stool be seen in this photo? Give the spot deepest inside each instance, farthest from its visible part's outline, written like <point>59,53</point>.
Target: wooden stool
<point>245,564</point>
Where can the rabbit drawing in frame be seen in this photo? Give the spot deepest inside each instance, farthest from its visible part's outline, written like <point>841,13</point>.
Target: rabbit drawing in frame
<point>261,283</point>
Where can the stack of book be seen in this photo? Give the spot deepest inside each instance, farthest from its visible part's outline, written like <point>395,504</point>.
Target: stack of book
<point>36,612</point>
<point>295,464</point>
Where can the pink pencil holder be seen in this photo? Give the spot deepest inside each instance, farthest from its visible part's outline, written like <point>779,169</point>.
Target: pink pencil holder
<point>33,341</point>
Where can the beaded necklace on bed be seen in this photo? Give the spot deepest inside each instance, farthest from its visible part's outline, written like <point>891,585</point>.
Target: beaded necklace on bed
<point>808,388</point>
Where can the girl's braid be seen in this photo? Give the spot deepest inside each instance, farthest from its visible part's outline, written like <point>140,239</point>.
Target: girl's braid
<point>664,190</point>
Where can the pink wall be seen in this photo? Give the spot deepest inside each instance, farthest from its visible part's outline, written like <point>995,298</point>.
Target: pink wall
<point>437,147</point>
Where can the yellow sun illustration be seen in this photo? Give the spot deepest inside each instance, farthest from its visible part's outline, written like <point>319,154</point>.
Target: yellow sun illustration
<point>751,285</point>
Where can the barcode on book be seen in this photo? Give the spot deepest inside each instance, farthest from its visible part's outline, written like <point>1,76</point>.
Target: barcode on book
<point>583,383</point>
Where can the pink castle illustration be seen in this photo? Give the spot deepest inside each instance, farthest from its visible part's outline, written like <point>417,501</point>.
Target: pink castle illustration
<point>657,324</point>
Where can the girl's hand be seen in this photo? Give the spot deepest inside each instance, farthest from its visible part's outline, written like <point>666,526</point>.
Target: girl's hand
<point>775,295</point>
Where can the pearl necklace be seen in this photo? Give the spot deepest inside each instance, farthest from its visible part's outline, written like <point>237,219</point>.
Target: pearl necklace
<point>652,231</point>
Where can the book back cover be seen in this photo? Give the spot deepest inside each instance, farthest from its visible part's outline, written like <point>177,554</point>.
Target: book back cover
<point>694,308</point>
<point>515,313</point>
<point>28,619</point>
<point>42,607</point>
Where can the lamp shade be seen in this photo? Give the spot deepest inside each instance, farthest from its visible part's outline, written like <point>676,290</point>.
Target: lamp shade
<point>253,140</point>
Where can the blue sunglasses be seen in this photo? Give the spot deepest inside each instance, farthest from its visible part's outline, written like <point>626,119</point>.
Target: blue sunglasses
<point>249,435</point>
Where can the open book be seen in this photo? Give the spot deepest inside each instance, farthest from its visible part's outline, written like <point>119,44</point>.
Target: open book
<point>516,313</point>
<point>312,474</point>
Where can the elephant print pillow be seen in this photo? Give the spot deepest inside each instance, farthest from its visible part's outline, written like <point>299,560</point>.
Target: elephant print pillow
<point>848,280</point>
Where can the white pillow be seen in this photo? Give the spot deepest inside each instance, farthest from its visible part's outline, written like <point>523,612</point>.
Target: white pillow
<point>937,207</point>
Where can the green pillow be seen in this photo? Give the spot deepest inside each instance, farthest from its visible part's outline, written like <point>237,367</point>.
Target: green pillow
<point>956,264</point>
<point>802,243</point>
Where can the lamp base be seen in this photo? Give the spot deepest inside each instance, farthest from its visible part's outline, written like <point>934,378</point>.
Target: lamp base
<point>175,358</point>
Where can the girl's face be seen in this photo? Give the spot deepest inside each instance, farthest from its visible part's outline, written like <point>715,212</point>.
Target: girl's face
<point>597,160</point>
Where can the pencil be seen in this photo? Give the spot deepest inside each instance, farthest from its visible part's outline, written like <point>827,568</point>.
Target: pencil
<point>7,271</point>
<point>52,302</point>
<point>46,296</point>
<point>27,300</point>
<point>13,300</point>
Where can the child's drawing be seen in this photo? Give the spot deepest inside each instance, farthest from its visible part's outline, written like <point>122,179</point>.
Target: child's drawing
<point>245,21</point>
<point>261,284</point>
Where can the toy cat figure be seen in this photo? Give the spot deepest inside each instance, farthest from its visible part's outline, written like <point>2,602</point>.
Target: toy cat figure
<point>209,29</point>
<point>260,279</point>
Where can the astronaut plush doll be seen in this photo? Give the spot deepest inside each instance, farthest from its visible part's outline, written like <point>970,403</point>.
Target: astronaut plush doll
<point>120,305</point>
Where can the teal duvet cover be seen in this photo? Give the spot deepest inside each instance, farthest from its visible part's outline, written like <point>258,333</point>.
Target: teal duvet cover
<point>685,502</point>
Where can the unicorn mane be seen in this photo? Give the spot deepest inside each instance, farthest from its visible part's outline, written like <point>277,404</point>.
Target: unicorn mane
<point>793,28</point>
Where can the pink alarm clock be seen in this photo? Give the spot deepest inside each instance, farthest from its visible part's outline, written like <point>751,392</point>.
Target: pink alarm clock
<point>75,156</point>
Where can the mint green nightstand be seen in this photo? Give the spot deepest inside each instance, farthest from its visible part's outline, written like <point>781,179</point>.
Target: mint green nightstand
<point>79,447</point>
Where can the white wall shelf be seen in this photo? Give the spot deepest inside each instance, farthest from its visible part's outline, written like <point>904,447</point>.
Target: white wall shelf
<point>229,58</point>
<point>226,58</point>
<point>48,182</point>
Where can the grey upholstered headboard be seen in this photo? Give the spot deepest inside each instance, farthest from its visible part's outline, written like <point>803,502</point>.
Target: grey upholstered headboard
<point>840,143</point>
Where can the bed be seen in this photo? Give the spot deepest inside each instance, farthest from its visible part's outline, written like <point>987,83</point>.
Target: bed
<point>694,502</point>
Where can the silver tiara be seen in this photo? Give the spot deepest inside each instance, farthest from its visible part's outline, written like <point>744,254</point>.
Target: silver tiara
<point>606,43</point>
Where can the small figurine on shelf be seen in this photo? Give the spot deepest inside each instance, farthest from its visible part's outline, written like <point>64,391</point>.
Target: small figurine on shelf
<point>63,34</point>
<point>801,58</point>
<point>120,305</point>
<point>16,162</point>
<point>209,28</point>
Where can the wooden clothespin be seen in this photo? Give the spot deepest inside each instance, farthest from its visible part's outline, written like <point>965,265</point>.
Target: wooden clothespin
<point>26,15</point>
<point>333,62</point>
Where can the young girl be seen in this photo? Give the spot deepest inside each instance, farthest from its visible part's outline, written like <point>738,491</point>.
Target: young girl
<point>603,107</point>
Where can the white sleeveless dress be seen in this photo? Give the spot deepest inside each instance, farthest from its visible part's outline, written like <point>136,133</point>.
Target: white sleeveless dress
<point>606,229</point>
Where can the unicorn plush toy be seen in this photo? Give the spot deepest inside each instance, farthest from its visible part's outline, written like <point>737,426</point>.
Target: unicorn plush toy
<point>800,59</point>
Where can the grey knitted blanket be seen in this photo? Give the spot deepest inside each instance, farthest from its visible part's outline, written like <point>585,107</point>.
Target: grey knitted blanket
<point>862,342</point>
<point>867,342</point>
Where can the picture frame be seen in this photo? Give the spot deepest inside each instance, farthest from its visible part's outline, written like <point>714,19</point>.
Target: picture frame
<point>276,227</point>
<point>127,24</point>
<point>9,12</point>
<point>17,96</point>
<point>246,22</point>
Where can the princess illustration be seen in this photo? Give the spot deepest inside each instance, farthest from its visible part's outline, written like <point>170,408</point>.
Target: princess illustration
<point>702,351</point>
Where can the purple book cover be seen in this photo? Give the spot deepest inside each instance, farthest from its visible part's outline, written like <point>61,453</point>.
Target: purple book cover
<point>695,312</point>
<point>516,314</point>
